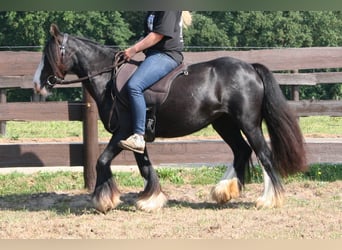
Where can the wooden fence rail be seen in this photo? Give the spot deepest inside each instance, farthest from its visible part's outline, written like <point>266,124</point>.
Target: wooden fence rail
<point>17,69</point>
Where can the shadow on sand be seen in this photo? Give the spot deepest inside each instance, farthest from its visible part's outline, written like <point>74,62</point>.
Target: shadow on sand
<point>80,203</point>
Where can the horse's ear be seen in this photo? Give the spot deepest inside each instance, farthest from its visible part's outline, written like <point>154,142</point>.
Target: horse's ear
<point>54,31</point>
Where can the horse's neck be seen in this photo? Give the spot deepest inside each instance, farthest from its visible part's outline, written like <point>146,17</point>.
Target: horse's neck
<point>88,63</point>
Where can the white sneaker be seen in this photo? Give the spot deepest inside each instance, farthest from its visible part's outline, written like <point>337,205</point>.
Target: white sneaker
<point>135,143</point>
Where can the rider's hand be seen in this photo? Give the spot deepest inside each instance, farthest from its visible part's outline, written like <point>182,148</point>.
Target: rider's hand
<point>129,53</point>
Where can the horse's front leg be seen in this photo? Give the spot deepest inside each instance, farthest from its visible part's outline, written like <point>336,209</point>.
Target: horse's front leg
<point>152,197</point>
<point>106,195</point>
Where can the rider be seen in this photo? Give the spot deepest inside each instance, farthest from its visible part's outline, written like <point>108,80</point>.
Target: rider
<point>162,45</point>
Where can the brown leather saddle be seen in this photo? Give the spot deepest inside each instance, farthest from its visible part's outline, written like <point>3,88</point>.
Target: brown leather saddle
<point>154,96</point>
<point>158,92</point>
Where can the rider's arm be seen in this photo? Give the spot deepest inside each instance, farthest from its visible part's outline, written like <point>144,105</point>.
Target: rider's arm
<point>148,41</point>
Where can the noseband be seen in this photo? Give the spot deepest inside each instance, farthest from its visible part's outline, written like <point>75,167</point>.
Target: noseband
<point>52,80</point>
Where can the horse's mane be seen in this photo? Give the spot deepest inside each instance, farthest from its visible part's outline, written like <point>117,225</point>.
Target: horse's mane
<point>87,40</point>
<point>96,44</point>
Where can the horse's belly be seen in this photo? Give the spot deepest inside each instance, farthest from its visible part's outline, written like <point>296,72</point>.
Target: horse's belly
<point>182,120</point>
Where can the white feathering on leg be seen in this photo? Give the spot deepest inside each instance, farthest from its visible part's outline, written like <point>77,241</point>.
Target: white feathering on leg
<point>152,203</point>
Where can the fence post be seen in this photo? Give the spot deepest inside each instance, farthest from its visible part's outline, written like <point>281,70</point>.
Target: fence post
<point>3,99</point>
<point>90,140</point>
<point>295,89</point>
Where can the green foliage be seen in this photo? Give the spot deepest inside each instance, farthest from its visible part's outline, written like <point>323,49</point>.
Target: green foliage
<point>23,28</point>
<point>104,27</point>
<point>325,27</point>
<point>324,172</point>
<point>204,32</point>
<point>135,21</point>
<point>19,95</point>
<point>321,92</point>
<point>32,28</point>
<point>317,172</point>
<point>209,28</point>
<point>69,94</point>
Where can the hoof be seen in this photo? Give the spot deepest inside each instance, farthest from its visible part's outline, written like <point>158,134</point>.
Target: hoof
<point>266,202</point>
<point>152,203</point>
<point>225,190</point>
<point>105,199</point>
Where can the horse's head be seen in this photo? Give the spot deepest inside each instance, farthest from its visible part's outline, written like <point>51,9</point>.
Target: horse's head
<point>53,65</point>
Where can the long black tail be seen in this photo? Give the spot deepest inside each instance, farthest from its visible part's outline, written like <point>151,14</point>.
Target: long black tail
<point>286,137</point>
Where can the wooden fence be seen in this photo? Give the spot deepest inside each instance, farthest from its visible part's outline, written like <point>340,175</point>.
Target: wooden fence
<point>17,69</point>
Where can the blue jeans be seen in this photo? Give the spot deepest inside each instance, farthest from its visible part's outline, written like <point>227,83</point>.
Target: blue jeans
<point>155,66</point>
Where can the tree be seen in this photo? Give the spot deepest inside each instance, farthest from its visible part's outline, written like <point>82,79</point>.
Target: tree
<point>325,27</point>
<point>135,21</point>
<point>104,27</point>
<point>204,32</point>
<point>32,27</point>
<point>22,28</point>
<point>263,28</point>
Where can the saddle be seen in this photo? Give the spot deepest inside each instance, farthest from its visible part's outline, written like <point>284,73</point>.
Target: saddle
<point>155,96</point>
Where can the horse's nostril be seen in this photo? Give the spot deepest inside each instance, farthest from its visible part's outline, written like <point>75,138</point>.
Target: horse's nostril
<point>40,90</point>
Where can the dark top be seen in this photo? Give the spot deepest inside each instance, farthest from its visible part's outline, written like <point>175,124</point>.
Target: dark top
<point>167,23</point>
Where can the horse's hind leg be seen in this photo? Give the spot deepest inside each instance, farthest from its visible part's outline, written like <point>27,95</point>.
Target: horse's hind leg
<point>273,193</point>
<point>151,198</point>
<point>230,185</point>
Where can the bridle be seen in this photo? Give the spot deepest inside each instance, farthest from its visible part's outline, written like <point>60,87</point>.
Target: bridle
<point>52,80</point>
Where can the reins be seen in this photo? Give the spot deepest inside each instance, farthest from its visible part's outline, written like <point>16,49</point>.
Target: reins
<point>118,61</point>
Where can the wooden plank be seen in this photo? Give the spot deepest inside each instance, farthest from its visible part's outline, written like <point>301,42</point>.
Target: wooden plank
<point>41,154</point>
<point>313,108</point>
<point>26,82</point>
<point>64,111</point>
<point>37,111</point>
<point>282,78</point>
<point>25,63</point>
<point>20,63</point>
<point>279,59</point>
<point>308,78</point>
<point>323,151</point>
<point>17,68</point>
<point>206,152</point>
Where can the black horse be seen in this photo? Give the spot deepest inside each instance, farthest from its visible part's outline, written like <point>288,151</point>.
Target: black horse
<point>232,95</point>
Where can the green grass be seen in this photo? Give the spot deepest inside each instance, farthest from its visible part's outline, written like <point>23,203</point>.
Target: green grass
<point>19,183</point>
<point>62,129</point>
<point>52,129</point>
<point>317,172</point>
<point>321,124</point>
<point>16,182</point>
